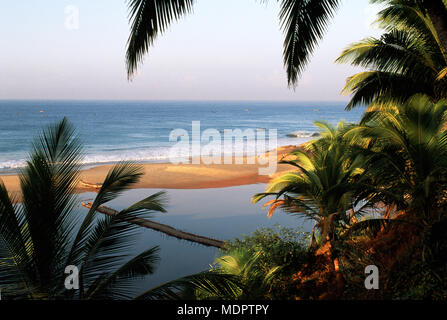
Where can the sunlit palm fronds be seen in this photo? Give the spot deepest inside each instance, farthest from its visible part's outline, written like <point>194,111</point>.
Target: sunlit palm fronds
<point>406,60</point>
<point>43,234</point>
<point>326,184</point>
<point>408,155</point>
<point>209,283</point>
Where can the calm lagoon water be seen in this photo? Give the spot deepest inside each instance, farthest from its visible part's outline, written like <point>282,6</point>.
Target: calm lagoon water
<point>223,214</point>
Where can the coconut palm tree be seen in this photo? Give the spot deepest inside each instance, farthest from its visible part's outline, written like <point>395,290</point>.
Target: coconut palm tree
<point>44,234</point>
<point>408,59</point>
<point>325,186</point>
<point>407,156</point>
<point>303,22</point>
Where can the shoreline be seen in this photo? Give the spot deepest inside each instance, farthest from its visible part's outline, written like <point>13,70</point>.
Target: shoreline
<point>182,176</point>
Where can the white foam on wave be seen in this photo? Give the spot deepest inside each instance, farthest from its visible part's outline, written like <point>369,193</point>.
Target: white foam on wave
<point>12,164</point>
<point>157,154</point>
<point>303,134</point>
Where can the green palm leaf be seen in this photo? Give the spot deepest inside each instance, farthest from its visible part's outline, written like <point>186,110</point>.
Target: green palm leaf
<point>213,283</point>
<point>304,24</point>
<point>408,59</point>
<point>38,239</point>
<point>149,19</point>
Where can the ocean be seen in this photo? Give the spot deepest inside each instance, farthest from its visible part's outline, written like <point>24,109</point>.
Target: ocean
<point>139,131</point>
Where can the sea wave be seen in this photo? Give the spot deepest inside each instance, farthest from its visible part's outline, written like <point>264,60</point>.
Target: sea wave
<point>159,154</point>
<point>303,134</point>
<point>94,159</point>
<point>11,165</point>
<point>101,157</point>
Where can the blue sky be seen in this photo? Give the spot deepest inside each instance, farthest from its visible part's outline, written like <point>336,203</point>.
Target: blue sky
<point>226,50</point>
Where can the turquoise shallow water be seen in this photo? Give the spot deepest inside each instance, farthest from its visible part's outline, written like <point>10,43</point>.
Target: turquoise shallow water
<point>222,214</point>
<point>139,131</point>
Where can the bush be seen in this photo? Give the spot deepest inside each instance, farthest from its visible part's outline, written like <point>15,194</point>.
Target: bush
<point>269,257</point>
<point>278,246</point>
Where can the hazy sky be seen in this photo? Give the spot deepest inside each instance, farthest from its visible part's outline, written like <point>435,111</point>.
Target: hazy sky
<point>225,50</point>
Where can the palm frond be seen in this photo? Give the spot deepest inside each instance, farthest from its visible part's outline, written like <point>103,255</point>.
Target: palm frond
<point>153,203</point>
<point>149,19</point>
<point>119,178</point>
<point>304,24</point>
<point>120,284</point>
<point>382,88</point>
<point>109,244</point>
<point>224,286</point>
<point>408,59</point>
<point>442,74</point>
<point>48,199</point>
<point>370,227</point>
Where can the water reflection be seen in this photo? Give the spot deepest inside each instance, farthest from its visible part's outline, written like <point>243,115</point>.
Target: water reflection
<point>221,214</point>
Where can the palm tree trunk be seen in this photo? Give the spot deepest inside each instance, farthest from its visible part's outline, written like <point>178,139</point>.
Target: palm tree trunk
<point>163,228</point>
<point>336,263</point>
<point>333,255</point>
<point>437,12</point>
<point>313,242</point>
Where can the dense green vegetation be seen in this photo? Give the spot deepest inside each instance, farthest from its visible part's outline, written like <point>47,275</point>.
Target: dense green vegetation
<point>263,263</point>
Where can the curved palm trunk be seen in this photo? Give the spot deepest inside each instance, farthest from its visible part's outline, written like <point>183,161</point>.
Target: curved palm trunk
<point>437,12</point>
<point>331,238</point>
<point>163,228</point>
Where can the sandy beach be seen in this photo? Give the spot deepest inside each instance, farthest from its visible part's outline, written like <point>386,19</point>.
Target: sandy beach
<point>183,176</point>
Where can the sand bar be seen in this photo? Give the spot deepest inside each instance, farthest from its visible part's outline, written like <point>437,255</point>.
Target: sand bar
<point>183,176</point>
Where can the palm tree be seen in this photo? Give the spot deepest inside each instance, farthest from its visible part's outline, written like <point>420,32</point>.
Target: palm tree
<point>408,59</point>
<point>244,265</point>
<point>407,156</point>
<point>43,234</point>
<point>303,22</point>
<point>325,186</point>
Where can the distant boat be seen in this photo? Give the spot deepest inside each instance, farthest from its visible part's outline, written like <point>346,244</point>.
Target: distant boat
<point>41,111</point>
<point>246,110</point>
<point>316,110</point>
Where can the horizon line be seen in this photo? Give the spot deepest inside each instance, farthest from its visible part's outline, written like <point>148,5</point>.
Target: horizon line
<point>169,100</point>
